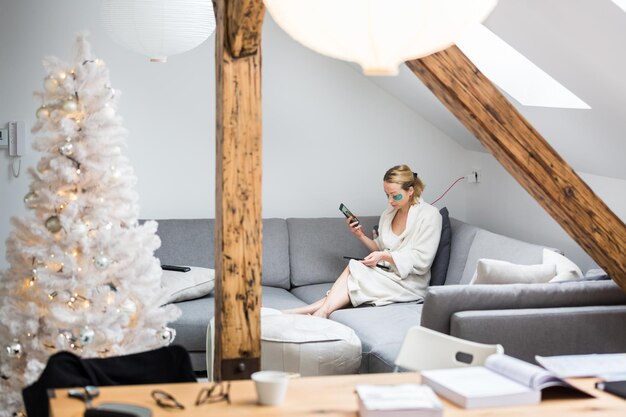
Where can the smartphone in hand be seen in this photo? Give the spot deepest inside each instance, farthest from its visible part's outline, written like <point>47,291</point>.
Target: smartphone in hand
<point>348,213</point>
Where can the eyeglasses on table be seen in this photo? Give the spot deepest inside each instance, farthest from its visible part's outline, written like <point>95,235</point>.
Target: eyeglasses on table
<point>216,392</point>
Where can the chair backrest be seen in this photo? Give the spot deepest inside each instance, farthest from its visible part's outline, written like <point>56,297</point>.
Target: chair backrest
<point>168,364</point>
<point>424,349</point>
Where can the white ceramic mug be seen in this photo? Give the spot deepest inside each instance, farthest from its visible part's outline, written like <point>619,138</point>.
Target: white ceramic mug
<point>271,386</point>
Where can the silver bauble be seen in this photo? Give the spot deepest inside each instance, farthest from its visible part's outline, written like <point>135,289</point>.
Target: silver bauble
<point>66,149</point>
<point>86,335</point>
<point>43,112</point>
<point>50,85</point>
<point>101,261</point>
<point>70,105</point>
<point>29,199</point>
<point>14,350</point>
<point>53,224</point>
<point>166,334</point>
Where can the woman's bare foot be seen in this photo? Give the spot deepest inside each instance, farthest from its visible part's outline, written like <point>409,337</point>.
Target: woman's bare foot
<point>322,312</point>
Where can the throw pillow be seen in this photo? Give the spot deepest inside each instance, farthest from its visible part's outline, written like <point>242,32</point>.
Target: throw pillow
<point>439,268</point>
<point>195,283</point>
<point>566,270</point>
<point>596,274</point>
<point>493,271</point>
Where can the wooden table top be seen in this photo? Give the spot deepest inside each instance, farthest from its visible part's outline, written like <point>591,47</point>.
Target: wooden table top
<point>328,396</point>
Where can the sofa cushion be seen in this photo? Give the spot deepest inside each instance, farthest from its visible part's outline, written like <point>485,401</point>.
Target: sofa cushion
<point>381,330</point>
<point>462,237</point>
<point>190,242</point>
<point>311,293</point>
<point>493,271</point>
<point>317,247</point>
<point>493,246</point>
<point>192,324</point>
<point>439,268</point>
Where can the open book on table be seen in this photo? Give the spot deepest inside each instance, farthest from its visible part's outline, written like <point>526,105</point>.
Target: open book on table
<point>502,381</point>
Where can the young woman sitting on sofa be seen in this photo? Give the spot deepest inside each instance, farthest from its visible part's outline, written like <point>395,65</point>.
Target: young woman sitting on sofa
<point>409,232</point>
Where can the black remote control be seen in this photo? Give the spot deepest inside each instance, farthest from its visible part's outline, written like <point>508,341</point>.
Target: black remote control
<point>175,268</point>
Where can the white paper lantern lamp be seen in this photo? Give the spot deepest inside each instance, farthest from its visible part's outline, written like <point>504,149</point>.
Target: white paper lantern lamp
<point>377,34</point>
<point>158,28</point>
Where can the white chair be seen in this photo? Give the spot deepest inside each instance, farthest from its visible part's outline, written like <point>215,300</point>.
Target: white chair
<point>425,349</point>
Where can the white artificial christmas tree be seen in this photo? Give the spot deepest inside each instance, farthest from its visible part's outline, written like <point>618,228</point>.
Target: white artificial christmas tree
<point>82,276</point>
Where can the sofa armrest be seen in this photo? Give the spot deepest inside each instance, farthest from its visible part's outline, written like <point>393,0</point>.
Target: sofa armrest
<point>442,302</point>
<point>525,333</point>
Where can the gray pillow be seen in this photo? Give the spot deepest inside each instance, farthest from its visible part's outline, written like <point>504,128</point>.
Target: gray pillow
<point>439,269</point>
<point>182,286</point>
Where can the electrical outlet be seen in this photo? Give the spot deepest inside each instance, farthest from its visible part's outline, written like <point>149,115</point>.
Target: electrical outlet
<point>473,177</point>
<point>4,138</point>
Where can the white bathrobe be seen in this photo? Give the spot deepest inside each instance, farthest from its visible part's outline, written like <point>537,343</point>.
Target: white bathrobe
<point>413,252</point>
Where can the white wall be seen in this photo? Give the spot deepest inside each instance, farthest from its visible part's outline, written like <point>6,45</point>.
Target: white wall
<point>500,204</point>
<point>329,133</point>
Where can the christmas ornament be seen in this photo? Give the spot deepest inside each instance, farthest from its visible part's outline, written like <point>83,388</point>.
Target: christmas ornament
<point>66,149</point>
<point>128,307</point>
<point>70,105</point>
<point>14,350</point>
<point>86,335</point>
<point>53,224</point>
<point>79,228</point>
<point>29,199</point>
<point>101,261</point>
<point>51,85</point>
<point>43,112</point>
<point>167,334</point>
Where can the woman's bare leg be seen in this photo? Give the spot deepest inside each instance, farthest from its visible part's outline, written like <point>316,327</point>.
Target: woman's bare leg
<point>337,297</point>
<point>310,309</point>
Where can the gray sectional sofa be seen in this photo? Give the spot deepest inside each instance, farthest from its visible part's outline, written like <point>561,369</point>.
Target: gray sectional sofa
<point>303,256</point>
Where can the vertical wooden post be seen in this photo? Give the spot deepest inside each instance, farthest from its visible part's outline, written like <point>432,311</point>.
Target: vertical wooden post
<point>526,155</point>
<point>238,226</point>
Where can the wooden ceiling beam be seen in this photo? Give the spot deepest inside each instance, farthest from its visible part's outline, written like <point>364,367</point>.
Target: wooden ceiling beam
<point>238,226</point>
<point>527,156</point>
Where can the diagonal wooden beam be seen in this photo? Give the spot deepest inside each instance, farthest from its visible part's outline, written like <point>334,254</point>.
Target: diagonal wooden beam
<point>238,227</point>
<point>526,155</point>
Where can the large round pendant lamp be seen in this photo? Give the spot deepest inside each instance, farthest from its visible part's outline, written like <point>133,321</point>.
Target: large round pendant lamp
<point>158,28</point>
<point>377,34</point>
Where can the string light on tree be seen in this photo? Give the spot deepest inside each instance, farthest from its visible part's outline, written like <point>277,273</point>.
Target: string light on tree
<point>81,237</point>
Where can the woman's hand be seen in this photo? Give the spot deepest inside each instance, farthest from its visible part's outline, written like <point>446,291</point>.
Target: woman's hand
<point>355,227</point>
<point>375,258</point>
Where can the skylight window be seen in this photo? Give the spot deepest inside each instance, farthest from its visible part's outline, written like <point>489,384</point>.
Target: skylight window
<point>514,73</point>
<point>621,4</point>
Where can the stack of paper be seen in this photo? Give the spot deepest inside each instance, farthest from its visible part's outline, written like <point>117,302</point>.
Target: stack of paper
<point>401,400</point>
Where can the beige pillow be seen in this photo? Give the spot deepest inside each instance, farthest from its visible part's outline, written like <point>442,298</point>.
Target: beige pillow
<point>492,271</point>
<point>195,283</point>
<point>566,270</point>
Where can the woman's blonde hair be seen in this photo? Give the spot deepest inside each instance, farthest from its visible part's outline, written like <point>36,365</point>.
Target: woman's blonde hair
<point>406,178</point>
